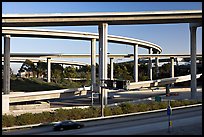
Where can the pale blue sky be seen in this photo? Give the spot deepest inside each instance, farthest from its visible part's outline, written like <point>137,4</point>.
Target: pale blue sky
<point>173,38</point>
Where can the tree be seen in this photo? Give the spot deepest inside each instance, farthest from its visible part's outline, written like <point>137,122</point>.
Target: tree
<point>70,72</point>
<point>41,68</point>
<point>57,72</point>
<point>28,66</point>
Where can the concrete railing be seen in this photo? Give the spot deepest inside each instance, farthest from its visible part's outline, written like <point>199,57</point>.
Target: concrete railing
<point>40,95</point>
<point>159,82</point>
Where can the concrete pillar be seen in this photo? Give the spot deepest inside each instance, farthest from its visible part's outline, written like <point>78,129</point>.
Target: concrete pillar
<point>172,67</point>
<point>93,64</point>
<point>136,63</point>
<point>5,104</point>
<point>150,65</point>
<point>103,43</point>
<point>193,60</point>
<point>111,68</point>
<point>48,69</point>
<point>177,62</point>
<point>6,74</point>
<point>157,65</point>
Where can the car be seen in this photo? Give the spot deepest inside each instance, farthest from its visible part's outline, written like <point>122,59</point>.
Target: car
<point>68,124</point>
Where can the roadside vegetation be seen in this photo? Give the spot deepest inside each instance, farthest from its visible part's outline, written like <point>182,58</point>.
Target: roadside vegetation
<point>91,112</point>
<point>35,84</point>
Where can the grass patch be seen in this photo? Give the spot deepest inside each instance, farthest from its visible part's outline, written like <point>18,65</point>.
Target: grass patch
<point>35,84</point>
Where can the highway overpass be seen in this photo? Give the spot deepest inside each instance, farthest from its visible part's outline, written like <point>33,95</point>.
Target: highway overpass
<point>102,20</point>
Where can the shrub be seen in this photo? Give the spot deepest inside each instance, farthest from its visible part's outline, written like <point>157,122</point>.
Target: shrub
<point>78,113</point>
<point>107,111</point>
<point>8,120</point>
<point>27,118</point>
<point>92,112</point>
<point>44,117</point>
<point>127,107</point>
<point>116,110</point>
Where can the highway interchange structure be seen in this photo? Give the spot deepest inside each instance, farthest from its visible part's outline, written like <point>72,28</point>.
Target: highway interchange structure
<point>102,20</point>
<point>21,57</point>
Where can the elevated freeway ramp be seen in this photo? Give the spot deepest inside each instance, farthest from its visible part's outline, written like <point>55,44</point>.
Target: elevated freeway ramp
<point>158,82</point>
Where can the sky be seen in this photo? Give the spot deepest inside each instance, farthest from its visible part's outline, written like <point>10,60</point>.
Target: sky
<point>172,38</point>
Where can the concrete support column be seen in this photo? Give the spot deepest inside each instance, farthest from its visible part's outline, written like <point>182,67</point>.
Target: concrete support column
<point>93,64</point>
<point>6,74</point>
<point>172,69</point>
<point>157,65</point>
<point>150,65</point>
<point>193,61</point>
<point>48,69</point>
<point>136,63</point>
<point>103,42</point>
<point>177,62</point>
<point>5,104</point>
<point>111,68</point>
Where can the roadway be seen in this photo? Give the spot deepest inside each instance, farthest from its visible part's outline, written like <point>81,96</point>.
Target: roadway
<point>119,96</point>
<point>185,121</point>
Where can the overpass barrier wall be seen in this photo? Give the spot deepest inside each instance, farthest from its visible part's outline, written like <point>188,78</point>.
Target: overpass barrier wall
<point>159,82</point>
<point>40,95</point>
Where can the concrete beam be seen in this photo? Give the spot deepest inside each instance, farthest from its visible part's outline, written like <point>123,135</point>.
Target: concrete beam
<point>6,74</point>
<point>136,63</point>
<point>112,18</point>
<point>59,34</point>
<point>35,60</point>
<point>40,55</point>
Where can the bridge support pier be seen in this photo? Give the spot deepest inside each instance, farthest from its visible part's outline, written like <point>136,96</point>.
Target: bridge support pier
<point>157,65</point>
<point>111,68</point>
<point>172,69</point>
<point>6,74</point>
<point>48,69</point>
<point>167,89</point>
<point>93,65</point>
<point>103,43</point>
<point>150,65</point>
<point>136,63</point>
<point>193,28</point>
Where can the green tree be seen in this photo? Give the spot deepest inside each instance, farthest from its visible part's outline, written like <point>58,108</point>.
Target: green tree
<point>28,66</point>
<point>57,72</point>
<point>70,72</point>
<point>41,68</point>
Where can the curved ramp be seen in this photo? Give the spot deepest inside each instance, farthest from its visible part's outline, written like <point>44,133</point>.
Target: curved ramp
<point>158,82</point>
